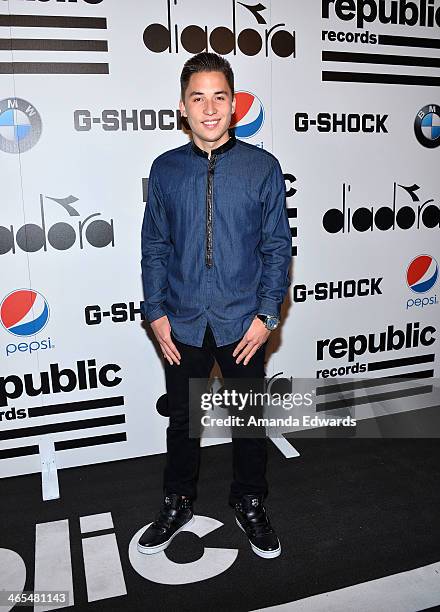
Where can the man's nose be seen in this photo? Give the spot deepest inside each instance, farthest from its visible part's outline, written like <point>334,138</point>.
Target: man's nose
<point>210,108</point>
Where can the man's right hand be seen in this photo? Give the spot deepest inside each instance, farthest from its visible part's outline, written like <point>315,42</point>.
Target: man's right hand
<point>162,330</point>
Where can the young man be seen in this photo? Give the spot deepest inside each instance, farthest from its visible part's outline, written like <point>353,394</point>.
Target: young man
<point>216,249</point>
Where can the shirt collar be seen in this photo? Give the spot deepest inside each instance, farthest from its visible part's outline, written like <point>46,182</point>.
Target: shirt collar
<point>218,150</point>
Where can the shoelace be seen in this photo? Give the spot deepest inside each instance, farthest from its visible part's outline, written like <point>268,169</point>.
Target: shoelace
<point>164,519</point>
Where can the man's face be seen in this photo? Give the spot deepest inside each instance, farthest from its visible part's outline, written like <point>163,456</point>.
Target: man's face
<point>208,105</point>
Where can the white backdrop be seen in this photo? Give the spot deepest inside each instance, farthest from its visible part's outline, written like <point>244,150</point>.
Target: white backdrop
<point>104,169</point>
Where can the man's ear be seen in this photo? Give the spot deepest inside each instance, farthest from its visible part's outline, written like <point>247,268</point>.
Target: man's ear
<point>233,104</point>
<point>182,108</point>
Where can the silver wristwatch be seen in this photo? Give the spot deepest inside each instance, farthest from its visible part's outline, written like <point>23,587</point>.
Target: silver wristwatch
<point>271,322</point>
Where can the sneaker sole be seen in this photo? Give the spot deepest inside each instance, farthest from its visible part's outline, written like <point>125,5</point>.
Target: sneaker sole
<point>152,550</point>
<point>265,554</point>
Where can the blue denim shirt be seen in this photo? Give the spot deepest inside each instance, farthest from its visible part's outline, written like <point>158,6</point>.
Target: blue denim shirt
<point>249,245</point>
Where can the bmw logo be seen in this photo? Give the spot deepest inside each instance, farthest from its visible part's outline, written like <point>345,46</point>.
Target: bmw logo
<point>20,125</point>
<point>427,126</point>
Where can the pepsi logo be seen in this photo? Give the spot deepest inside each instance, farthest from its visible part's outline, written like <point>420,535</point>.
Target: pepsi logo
<point>249,114</point>
<point>24,312</point>
<point>422,273</point>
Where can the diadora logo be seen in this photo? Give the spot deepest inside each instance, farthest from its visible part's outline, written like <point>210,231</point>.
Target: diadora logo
<point>249,114</point>
<point>194,38</point>
<point>421,276</point>
<point>23,313</point>
<point>413,214</point>
<point>61,235</point>
<point>20,125</point>
<point>427,126</point>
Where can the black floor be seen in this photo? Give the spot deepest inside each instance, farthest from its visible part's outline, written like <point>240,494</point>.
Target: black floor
<point>346,511</point>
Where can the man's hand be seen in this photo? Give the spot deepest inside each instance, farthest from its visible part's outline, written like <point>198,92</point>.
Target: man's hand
<point>256,335</point>
<point>162,330</point>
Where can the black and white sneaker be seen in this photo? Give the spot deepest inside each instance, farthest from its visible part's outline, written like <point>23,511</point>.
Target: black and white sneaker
<point>175,513</point>
<point>251,516</point>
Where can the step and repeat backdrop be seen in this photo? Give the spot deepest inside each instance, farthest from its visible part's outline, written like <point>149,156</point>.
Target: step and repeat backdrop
<point>344,93</point>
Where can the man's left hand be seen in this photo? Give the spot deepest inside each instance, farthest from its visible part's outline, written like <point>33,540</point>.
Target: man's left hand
<point>256,335</point>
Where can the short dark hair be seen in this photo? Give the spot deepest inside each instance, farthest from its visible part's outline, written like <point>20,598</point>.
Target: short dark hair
<point>205,62</point>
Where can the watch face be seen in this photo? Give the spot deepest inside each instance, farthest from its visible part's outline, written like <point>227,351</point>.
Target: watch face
<point>271,323</point>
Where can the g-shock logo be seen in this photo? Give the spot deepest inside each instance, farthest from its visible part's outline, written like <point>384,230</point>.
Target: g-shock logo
<point>119,312</point>
<point>341,122</point>
<point>113,120</point>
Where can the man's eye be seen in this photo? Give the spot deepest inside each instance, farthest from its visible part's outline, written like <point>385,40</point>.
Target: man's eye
<point>197,99</point>
<point>220,98</point>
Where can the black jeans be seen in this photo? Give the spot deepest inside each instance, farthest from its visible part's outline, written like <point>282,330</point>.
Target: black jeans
<point>249,455</point>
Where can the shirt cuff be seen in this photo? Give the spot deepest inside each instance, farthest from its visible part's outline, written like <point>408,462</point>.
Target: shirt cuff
<point>155,313</point>
<point>269,307</point>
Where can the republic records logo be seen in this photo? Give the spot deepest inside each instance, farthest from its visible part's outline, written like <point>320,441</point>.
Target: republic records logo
<point>20,125</point>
